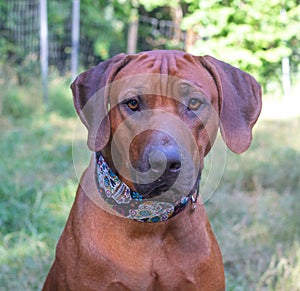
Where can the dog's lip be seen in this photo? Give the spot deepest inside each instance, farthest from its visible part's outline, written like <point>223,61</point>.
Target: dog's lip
<point>155,191</point>
<point>148,191</point>
<point>161,187</point>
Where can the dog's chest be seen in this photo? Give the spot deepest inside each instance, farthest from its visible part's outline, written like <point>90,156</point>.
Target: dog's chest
<point>152,267</point>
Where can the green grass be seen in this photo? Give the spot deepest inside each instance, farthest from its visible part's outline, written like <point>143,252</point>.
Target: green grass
<point>254,213</point>
<point>37,185</point>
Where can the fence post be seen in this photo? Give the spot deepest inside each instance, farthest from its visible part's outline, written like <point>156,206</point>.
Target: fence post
<point>75,37</point>
<point>132,32</point>
<point>44,49</point>
<point>286,79</point>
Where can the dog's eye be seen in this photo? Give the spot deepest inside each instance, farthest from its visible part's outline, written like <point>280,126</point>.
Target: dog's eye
<point>133,105</point>
<point>194,104</point>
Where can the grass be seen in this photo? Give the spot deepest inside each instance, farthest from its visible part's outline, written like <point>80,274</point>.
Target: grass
<point>255,212</point>
<point>37,185</point>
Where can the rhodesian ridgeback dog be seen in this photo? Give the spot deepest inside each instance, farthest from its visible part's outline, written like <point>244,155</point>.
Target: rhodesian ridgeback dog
<point>136,223</point>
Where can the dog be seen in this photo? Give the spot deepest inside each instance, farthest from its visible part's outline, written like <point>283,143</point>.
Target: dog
<point>137,222</point>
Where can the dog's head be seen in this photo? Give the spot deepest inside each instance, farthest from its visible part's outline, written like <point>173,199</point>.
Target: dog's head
<point>155,115</point>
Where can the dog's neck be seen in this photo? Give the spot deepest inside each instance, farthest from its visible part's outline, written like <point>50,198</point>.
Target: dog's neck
<point>130,204</point>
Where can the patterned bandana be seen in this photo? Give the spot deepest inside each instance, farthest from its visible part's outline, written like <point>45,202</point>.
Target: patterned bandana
<point>131,204</point>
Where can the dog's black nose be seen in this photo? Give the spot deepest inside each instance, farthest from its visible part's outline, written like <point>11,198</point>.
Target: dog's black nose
<point>165,160</point>
<point>159,167</point>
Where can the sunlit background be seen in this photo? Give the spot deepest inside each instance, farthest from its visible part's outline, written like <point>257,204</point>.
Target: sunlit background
<point>44,44</point>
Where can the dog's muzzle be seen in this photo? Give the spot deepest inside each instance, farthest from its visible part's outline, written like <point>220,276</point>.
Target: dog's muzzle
<point>133,205</point>
<point>164,166</point>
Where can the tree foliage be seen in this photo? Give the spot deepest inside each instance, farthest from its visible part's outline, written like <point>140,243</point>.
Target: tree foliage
<point>104,23</point>
<point>253,35</point>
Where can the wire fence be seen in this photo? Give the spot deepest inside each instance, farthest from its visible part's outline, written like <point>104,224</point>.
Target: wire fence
<point>159,33</point>
<point>19,30</point>
<point>20,37</point>
<point>20,44</point>
<point>21,26</point>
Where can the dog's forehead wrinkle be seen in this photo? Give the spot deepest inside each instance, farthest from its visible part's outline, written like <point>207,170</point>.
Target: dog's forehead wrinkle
<point>186,87</point>
<point>162,62</point>
<point>133,91</point>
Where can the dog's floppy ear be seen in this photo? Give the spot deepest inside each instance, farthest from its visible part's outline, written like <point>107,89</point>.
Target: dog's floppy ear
<point>90,94</point>
<point>239,102</point>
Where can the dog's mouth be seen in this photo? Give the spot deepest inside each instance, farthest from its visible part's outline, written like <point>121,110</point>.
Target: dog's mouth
<point>166,182</point>
<point>171,193</point>
<point>184,185</point>
<point>152,192</point>
<point>164,165</point>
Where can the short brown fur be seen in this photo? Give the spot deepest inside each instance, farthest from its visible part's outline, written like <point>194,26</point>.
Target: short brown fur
<point>101,251</point>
